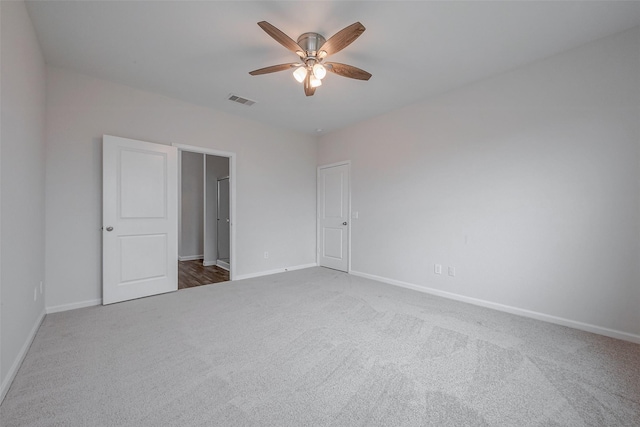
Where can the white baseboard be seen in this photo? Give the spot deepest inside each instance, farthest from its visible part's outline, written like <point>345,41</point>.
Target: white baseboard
<point>218,263</point>
<point>73,306</point>
<point>223,265</point>
<point>4,388</point>
<point>508,309</point>
<point>277,270</point>
<point>190,257</point>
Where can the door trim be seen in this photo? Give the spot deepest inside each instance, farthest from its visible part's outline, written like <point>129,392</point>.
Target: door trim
<point>232,193</point>
<point>222,264</point>
<point>331,165</point>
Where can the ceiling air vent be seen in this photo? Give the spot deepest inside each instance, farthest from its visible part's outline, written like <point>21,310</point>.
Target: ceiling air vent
<point>241,100</point>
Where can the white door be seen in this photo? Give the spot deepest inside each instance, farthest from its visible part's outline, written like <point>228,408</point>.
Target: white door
<point>333,217</point>
<point>140,219</point>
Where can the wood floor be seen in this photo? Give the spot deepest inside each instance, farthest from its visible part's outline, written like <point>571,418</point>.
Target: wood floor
<point>193,273</point>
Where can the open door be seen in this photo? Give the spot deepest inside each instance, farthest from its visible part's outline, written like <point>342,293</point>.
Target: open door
<point>140,219</point>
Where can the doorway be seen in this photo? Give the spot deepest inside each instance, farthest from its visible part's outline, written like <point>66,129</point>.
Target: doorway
<point>206,199</point>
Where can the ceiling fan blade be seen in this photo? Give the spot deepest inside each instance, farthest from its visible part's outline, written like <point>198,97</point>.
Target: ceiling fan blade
<point>342,39</point>
<point>308,89</point>
<point>273,69</point>
<point>281,38</point>
<point>345,70</point>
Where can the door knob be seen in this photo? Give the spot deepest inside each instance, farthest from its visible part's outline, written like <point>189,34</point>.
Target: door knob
<point>109,228</point>
<point>344,223</point>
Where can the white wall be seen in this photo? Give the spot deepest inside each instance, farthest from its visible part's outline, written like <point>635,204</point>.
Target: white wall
<point>192,205</point>
<point>275,178</point>
<point>21,187</point>
<point>528,183</point>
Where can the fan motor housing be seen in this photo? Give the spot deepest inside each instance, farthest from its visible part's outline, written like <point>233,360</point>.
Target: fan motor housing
<point>311,43</point>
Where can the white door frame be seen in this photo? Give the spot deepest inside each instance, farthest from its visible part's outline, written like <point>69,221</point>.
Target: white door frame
<point>219,262</point>
<point>232,194</point>
<point>331,165</point>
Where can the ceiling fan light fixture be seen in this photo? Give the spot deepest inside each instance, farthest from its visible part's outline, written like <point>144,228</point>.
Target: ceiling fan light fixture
<point>319,71</point>
<point>300,74</point>
<point>312,49</point>
<point>314,81</point>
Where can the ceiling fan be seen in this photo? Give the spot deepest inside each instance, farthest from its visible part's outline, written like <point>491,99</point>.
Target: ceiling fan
<point>313,49</point>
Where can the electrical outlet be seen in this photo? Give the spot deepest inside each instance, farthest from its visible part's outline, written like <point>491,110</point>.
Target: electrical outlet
<point>452,271</point>
<point>266,255</point>
<point>437,268</point>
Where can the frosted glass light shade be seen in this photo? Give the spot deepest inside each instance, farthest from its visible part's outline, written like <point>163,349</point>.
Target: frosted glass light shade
<point>300,74</point>
<point>315,82</point>
<point>319,71</point>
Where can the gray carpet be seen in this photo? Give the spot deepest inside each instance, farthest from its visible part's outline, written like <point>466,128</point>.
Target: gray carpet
<point>317,347</point>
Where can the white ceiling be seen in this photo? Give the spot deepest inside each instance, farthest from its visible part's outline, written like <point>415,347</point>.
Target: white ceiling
<point>200,52</point>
